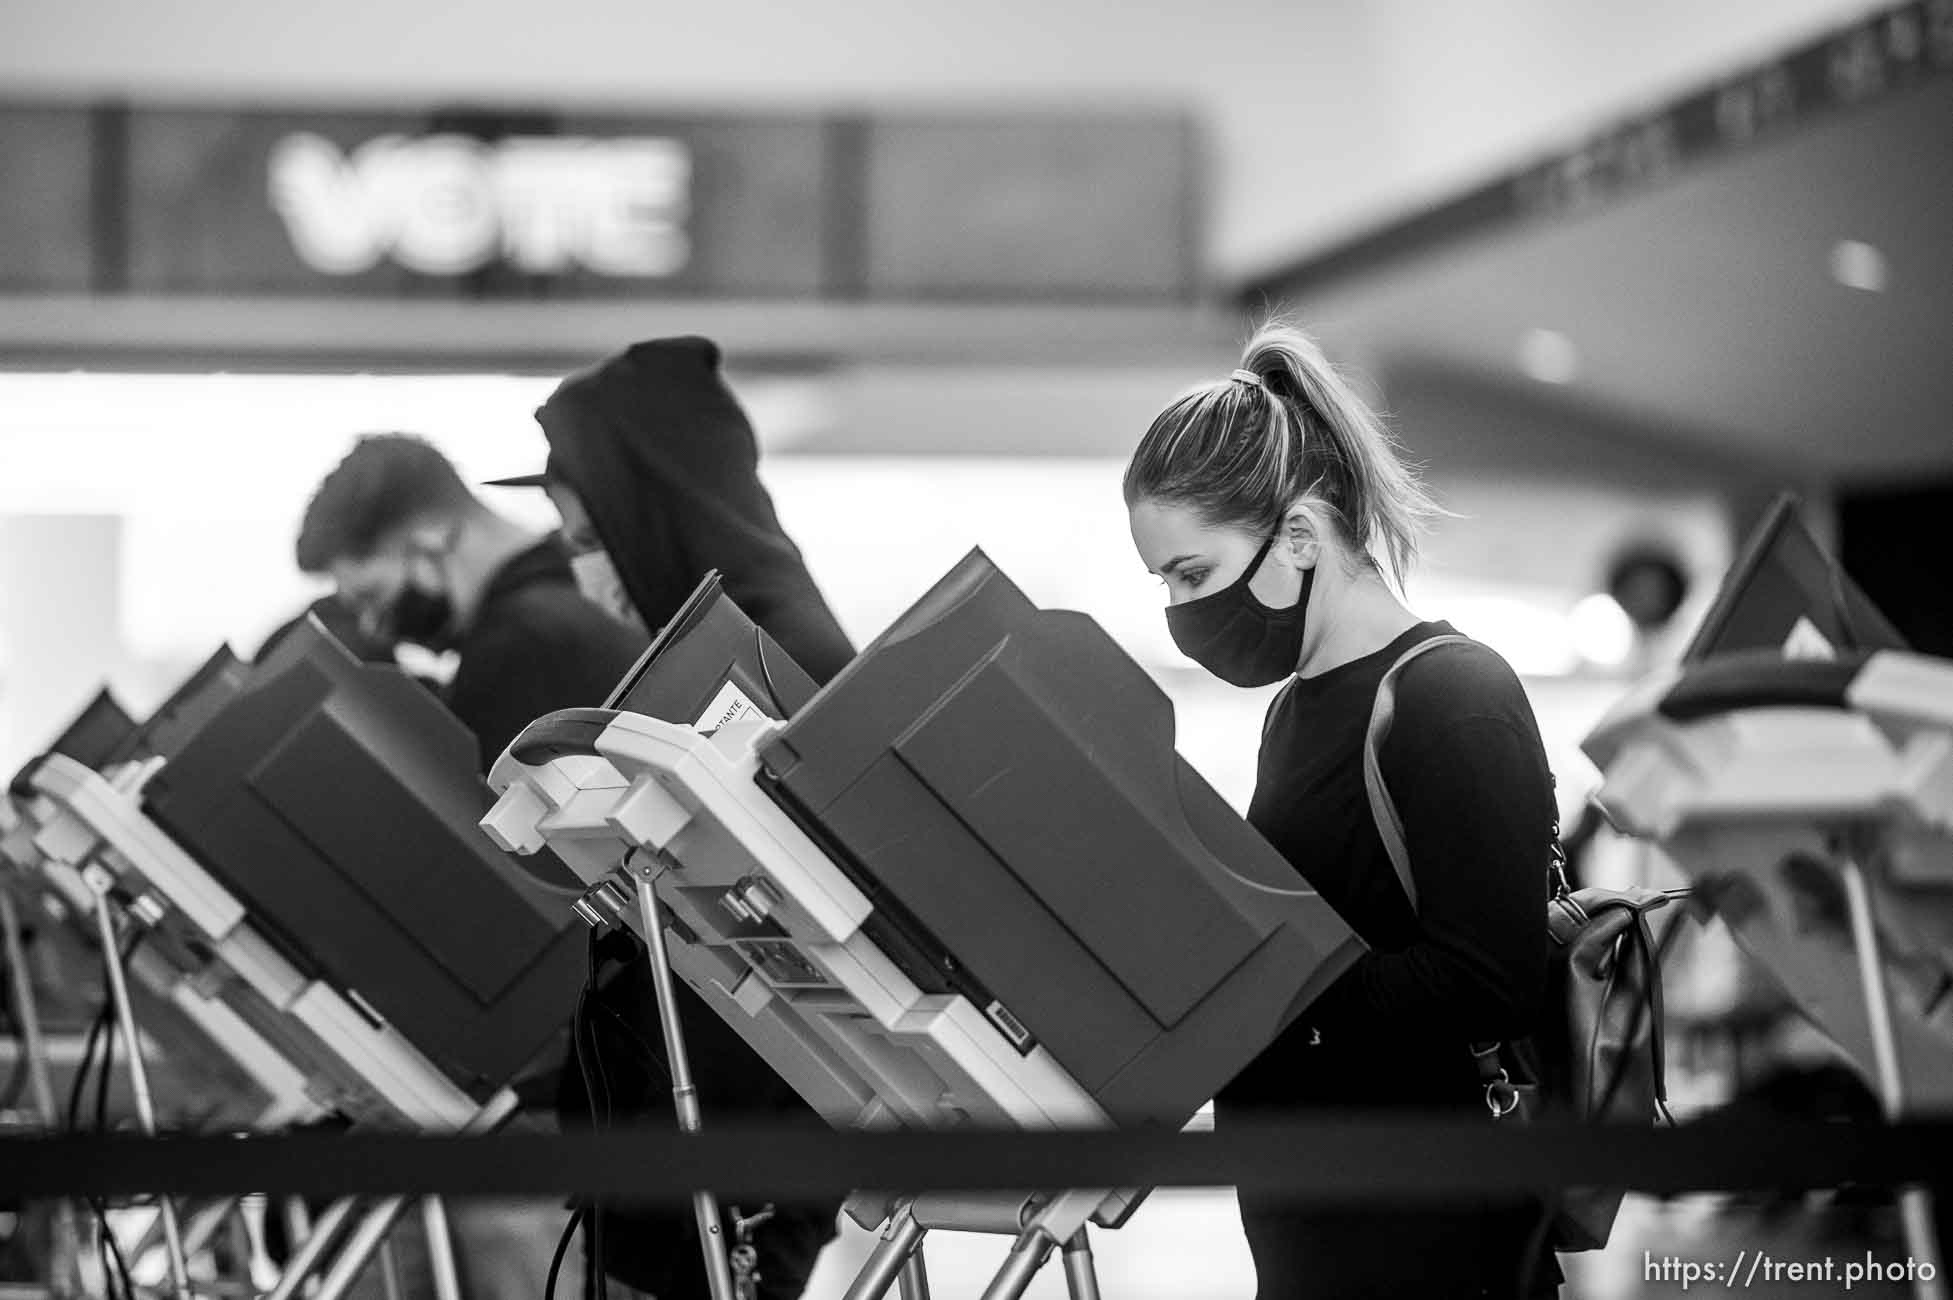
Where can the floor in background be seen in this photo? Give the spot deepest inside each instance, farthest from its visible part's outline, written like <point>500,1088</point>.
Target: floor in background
<point>1180,1245</point>
<point>1717,1230</point>
<point>1187,1245</point>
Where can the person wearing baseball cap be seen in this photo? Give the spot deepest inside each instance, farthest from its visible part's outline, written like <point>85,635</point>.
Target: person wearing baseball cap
<point>653,467</point>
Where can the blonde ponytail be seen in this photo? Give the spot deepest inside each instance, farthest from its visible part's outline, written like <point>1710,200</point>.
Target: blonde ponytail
<point>1242,454</point>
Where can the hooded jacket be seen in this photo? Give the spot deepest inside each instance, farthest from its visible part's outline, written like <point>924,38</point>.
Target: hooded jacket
<point>667,466</point>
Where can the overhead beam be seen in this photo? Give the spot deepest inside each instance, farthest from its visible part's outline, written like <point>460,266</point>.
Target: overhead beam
<point>320,334</point>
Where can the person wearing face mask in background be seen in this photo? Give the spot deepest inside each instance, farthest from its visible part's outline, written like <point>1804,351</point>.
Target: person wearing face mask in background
<point>654,469</point>
<point>1271,502</point>
<point>419,558</point>
<point>416,557</point>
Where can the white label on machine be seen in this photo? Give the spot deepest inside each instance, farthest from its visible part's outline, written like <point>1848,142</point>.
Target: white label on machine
<point>1012,1027</point>
<point>730,705</point>
<point>1806,642</point>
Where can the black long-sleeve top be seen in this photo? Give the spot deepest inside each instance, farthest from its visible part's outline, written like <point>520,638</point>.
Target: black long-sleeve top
<point>1465,766</point>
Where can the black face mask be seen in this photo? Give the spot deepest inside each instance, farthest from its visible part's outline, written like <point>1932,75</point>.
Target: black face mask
<point>1237,638</point>
<point>423,617</point>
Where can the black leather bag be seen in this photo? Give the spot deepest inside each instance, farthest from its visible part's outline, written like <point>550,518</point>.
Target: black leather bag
<point>1598,1055</point>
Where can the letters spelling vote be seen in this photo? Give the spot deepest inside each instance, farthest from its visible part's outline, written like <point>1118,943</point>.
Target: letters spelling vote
<point>446,204</point>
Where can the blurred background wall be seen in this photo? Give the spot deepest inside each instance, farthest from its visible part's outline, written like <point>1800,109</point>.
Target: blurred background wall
<point>967,404</point>
<point>1321,117</point>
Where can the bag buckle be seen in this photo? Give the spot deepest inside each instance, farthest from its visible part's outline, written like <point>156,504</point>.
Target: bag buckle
<point>1501,1098</point>
<point>1556,864</point>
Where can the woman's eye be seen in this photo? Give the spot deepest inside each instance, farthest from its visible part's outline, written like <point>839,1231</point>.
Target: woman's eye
<point>1193,579</point>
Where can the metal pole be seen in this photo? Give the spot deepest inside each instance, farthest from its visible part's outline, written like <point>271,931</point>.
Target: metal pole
<point>139,1083</point>
<point>1027,1256</point>
<point>440,1249</point>
<point>152,1237</point>
<point>358,1252</point>
<point>390,1272</point>
<point>298,1222</point>
<point>379,1220</point>
<point>705,1206</point>
<point>205,1224</point>
<point>914,1278</point>
<point>245,1243</point>
<point>307,1253</point>
<point>901,1240</point>
<point>27,1014</point>
<point>1081,1278</point>
<point>255,1214</point>
<point>1915,1203</point>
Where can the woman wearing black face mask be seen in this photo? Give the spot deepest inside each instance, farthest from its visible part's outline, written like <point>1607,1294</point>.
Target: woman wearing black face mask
<point>1273,504</point>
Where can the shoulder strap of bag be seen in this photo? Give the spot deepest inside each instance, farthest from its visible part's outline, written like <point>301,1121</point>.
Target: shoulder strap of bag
<point>1382,810</point>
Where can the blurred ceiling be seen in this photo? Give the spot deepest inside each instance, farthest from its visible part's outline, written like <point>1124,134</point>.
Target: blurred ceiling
<point>1712,308</point>
<point>1320,117</point>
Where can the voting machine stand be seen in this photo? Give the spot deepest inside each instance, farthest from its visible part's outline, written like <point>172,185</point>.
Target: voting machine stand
<point>1811,801</point>
<point>33,1046</point>
<point>1797,764</point>
<point>298,839</point>
<point>95,829</point>
<point>878,1070</point>
<point>62,892</point>
<point>968,883</point>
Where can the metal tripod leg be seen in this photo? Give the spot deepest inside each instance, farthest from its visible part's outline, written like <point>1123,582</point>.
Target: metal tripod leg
<point>705,1206</point>
<point>200,1227</point>
<point>255,1214</point>
<point>247,1241</point>
<point>901,1241</point>
<point>378,1221</point>
<point>298,1220</point>
<point>1027,1255</point>
<point>370,1238</point>
<point>27,1015</point>
<point>360,1247</point>
<point>390,1272</point>
<point>306,1256</point>
<point>440,1249</point>
<point>1081,1278</point>
<point>207,1222</point>
<point>125,1014</point>
<point>913,1282</point>
<point>1915,1203</point>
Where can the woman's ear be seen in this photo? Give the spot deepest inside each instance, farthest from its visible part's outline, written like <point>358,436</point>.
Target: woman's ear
<point>1300,530</point>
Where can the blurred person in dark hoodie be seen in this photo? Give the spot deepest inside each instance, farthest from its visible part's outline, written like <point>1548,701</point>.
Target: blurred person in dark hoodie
<point>655,470</point>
